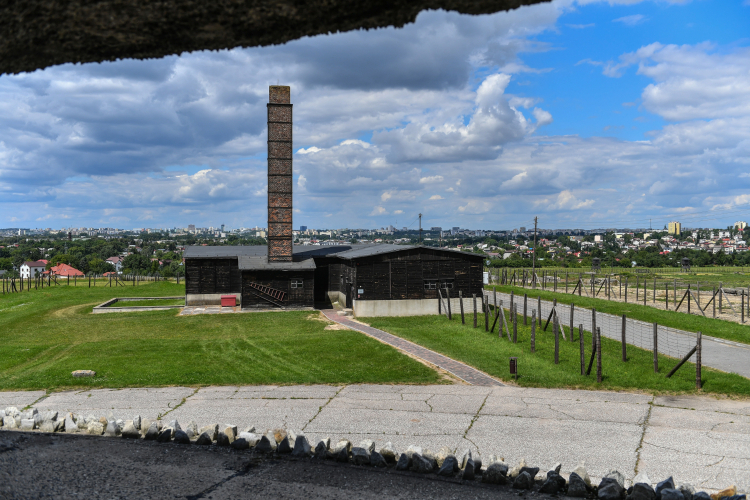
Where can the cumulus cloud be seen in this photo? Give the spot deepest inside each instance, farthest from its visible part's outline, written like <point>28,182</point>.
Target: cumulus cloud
<point>384,120</point>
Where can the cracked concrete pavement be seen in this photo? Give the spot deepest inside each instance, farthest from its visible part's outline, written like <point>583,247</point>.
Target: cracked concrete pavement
<point>698,439</point>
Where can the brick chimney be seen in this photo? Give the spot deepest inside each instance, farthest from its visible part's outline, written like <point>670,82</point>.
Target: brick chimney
<point>279,174</point>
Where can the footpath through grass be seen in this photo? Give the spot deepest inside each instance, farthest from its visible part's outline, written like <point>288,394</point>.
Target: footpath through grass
<point>46,334</point>
<point>719,328</point>
<point>491,354</point>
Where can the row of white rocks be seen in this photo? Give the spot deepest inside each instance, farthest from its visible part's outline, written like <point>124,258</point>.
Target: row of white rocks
<point>466,465</point>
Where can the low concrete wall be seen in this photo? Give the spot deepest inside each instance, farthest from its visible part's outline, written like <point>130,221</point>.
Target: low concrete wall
<point>208,299</point>
<point>337,297</point>
<point>110,307</point>
<point>409,307</point>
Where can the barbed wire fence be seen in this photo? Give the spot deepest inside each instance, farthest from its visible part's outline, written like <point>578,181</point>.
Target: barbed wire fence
<point>711,299</point>
<point>565,319</point>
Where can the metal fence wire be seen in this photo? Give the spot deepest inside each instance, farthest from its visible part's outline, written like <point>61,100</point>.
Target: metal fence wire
<point>669,341</point>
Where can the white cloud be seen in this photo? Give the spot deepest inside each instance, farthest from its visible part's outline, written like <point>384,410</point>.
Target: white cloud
<point>632,20</point>
<point>378,211</point>
<point>431,179</point>
<point>436,197</point>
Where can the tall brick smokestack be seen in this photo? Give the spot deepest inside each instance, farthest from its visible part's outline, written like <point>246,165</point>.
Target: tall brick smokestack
<point>279,174</point>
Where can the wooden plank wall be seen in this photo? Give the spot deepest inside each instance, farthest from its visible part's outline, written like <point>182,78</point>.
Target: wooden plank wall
<point>212,276</point>
<point>401,275</point>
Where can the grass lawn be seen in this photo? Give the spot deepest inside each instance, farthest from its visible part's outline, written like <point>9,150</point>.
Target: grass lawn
<point>490,354</point>
<point>728,330</point>
<point>46,334</point>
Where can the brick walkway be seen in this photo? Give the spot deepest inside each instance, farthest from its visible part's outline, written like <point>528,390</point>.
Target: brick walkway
<point>466,373</point>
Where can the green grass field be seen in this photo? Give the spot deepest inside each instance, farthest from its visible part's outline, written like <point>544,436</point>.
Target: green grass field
<point>490,354</point>
<point>46,334</point>
<point>719,328</point>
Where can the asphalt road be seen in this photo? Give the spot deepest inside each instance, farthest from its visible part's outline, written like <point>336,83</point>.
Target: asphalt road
<point>34,465</point>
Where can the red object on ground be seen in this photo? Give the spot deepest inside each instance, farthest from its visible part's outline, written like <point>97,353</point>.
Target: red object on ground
<point>228,301</point>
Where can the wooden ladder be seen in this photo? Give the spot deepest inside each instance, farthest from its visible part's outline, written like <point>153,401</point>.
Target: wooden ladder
<point>276,295</point>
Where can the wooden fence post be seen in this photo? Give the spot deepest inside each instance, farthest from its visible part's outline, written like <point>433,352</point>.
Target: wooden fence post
<point>556,331</point>
<point>474,295</point>
<point>666,296</point>
<point>572,313</point>
<point>624,344</point>
<point>525,300</point>
<point>533,330</point>
<point>539,309</point>
<point>515,322</point>
<point>583,356</point>
<point>653,300</point>
<point>656,348</point>
<point>486,314</point>
<point>689,296</point>
<point>598,355</point>
<point>461,303</point>
<point>448,295</point>
<point>721,292</point>
<point>593,328</point>
<point>626,290</point>
<point>698,379</point>
<point>742,308</point>
<point>674,295</point>
<point>566,281</point>
<point>714,302</point>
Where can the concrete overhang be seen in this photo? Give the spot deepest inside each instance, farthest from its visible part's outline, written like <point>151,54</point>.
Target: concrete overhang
<point>35,34</point>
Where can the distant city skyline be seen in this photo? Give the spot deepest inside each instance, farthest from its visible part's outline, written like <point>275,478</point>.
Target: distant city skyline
<point>585,113</point>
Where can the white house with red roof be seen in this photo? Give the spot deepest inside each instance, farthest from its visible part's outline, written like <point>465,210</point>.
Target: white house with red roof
<point>32,269</point>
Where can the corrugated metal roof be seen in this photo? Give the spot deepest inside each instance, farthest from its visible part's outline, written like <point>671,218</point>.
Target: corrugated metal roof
<point>247,263</point>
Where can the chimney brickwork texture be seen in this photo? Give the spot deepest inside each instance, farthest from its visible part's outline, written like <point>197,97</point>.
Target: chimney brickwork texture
<point>279,235</point>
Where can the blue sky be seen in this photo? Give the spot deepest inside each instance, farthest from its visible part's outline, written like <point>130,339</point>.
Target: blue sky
<point>587,114</point>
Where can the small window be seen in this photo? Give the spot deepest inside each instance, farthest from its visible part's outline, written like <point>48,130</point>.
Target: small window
<point>296,283</point>
<point>430,284</point>
<point>446,284</point>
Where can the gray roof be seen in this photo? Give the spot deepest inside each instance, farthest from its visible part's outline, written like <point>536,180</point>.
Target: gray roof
<point>307,252</point>
<point>369,250</point>
<point>225,251</point>
<point>247,263</point>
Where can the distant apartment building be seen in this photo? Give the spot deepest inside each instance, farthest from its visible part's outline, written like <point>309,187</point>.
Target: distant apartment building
<point>741,225</point>
<point>674,228</point>
<point>522,229</point>
<point>303,228</point>
<point>191,228</point>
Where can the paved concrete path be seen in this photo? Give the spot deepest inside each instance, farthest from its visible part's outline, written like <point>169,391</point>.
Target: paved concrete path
<point>698,439</point>
<point>466,373</point>
<point>720,354</point>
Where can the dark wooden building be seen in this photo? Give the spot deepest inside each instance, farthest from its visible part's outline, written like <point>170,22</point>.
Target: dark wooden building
<point>367,278</point>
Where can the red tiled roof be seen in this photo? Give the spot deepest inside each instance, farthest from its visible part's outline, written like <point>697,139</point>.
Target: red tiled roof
<point>65,270</point>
